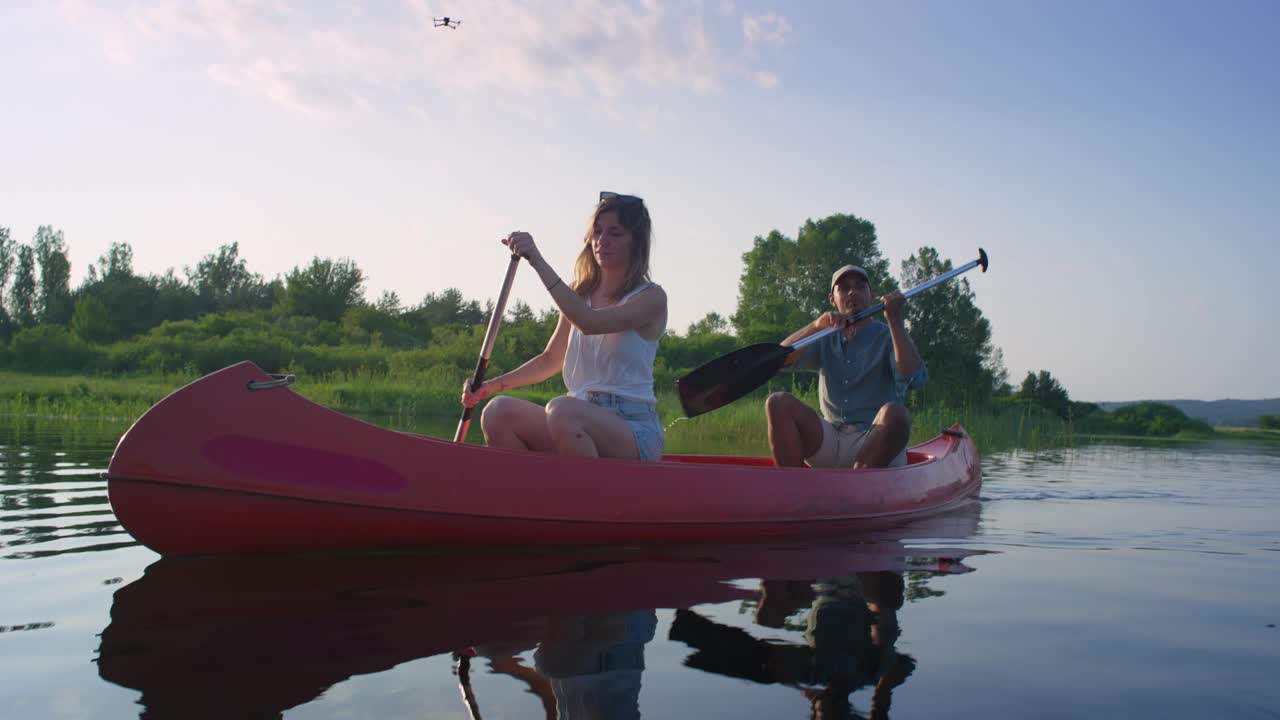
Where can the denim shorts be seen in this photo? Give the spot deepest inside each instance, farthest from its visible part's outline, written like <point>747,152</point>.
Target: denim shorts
<point>640,415</point>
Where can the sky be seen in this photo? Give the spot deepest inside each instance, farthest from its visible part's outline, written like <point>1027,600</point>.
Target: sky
<point>1119,162</point>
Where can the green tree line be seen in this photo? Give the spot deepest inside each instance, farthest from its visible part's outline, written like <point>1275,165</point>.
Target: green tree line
<point>316,318</point>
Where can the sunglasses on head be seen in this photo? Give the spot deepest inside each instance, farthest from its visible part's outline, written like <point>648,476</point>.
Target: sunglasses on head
<point>606,195</point>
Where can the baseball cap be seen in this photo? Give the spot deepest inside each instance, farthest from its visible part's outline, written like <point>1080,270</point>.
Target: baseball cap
<point>835,276</point>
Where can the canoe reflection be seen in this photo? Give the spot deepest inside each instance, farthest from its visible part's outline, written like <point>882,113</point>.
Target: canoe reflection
<point>255,636</point>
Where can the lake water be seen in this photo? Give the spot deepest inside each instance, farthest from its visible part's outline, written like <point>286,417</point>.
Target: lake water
<point>1106,581</point>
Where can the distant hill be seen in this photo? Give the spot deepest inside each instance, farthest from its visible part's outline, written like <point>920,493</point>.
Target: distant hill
<point>1238,413</point>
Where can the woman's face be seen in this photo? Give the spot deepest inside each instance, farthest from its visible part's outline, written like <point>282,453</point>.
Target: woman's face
<point>611,242</point>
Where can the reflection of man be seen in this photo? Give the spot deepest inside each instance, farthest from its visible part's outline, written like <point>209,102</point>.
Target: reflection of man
<point>587,666</point>
<point>849,642</point>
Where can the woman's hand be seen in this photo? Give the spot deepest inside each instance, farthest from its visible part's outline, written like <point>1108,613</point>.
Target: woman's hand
<point>469,399</point>
<point>522,245</point>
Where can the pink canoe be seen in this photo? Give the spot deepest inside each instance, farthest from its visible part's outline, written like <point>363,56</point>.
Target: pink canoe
<point>226,465</point>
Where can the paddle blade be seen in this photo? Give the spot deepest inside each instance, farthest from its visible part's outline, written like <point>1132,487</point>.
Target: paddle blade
<point>729,377</point>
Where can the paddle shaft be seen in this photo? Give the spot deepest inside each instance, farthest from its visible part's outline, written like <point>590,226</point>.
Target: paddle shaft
<point>482,365</point>
<point>863,314</point>
<point>464,684</point>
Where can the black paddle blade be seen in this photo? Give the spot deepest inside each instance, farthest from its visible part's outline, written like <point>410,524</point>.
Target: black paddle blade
<point>729,377</point>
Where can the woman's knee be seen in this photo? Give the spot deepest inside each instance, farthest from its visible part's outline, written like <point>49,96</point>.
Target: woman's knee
<point>499,412</point>
<point>563,414</point>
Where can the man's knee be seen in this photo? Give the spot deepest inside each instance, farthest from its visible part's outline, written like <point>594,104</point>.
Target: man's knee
<point>779,405</point>
<point>896,416</point>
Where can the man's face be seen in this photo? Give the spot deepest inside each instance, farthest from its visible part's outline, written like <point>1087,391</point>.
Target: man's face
<point>851,293</point>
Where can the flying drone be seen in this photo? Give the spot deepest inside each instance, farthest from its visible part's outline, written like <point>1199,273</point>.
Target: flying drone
<point>446,22</point>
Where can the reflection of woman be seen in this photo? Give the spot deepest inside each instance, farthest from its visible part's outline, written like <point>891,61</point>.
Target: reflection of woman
<point>587,668</point>
<point>849,642</point>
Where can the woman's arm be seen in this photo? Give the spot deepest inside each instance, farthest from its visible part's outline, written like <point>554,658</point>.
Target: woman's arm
<point>540,367</point>
<point>645,313</point>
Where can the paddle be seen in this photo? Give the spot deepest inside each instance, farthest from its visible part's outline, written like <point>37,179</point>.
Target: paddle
<point>490,335</point>
<point>729,377</point>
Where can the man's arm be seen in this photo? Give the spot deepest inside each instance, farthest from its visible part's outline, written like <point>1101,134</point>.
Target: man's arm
<point>903,349</point>
<point>824,321</point>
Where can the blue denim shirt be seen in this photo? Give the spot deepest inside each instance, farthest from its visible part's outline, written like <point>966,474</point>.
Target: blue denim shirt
<point>856,377</point>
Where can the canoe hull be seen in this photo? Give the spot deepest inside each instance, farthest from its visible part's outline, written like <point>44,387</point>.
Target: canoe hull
<point>218,468</point>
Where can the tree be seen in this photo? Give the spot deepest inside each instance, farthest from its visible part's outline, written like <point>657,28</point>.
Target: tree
<point>1045,390</point>
<point>949,330</point>
<point>126,301</point>
<point>91,321</point>
<point>786,283</point>
<point>389,302</point>
<point>325,289</point>
<point>520,313</point>
<point>448,308</point>
<point>713,323</point>
<point>175,299</point>
<point>54,304</point>
<point>6,267</point>
<point>116,263</point>
<point>1000,386</point>
<point>1270,422</point>
<point>22,295</point>
<point>222,282</point>
<point>1153,418</point>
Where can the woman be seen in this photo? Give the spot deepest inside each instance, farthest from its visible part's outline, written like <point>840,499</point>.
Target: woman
<point>605,343</point>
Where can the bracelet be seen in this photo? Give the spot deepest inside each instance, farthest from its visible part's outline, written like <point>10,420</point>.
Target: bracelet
<point>553,285</point>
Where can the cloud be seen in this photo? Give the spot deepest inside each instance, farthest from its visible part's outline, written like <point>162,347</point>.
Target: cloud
<point>310,93</point>
<point>320,60</point>
<point>765,79</point>
<point>770,28</point>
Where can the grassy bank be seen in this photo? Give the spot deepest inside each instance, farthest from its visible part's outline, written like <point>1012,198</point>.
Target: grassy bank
<point>1256,435</point>
<point>736,429</point>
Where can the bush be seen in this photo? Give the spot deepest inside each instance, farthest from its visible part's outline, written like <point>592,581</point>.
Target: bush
<point>50,348</point>
<point>1145,419</point>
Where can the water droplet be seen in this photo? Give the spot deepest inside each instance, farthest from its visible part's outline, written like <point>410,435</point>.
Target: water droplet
<point>673,422</point>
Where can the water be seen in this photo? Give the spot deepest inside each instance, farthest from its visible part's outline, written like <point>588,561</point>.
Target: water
<point>1108,581</point>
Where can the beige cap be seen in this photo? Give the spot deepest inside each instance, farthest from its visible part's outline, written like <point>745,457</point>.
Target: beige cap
<point>835,276</point>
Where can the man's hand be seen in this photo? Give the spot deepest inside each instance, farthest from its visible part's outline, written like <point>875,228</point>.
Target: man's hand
<point>893,304</point>
<point>835,320</point>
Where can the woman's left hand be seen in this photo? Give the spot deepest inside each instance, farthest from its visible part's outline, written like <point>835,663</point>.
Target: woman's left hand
<point>522,245</point>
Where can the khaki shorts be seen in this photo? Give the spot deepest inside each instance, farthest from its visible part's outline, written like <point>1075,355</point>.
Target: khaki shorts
<point>840,446</point>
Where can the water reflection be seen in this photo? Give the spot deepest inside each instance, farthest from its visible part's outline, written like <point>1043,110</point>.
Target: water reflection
<point>253,637</point>
<point>850,632</point>
<point>584,666</point>
<point>53,499</point>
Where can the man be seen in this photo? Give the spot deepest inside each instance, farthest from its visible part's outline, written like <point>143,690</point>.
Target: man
<point>864,371</point>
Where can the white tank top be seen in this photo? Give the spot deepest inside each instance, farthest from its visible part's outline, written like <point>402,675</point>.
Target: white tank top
<point>620,363</point>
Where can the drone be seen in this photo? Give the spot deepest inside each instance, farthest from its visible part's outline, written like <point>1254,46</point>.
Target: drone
<point>446,22</point>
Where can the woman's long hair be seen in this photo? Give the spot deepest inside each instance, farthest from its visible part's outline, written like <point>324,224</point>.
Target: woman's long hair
<point>634,216</point>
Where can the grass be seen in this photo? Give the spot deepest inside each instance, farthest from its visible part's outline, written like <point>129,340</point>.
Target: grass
<point>430,400</point>
<point>405,402</point>
<point>1257,435</point>
<point>51,396</point>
